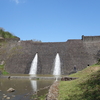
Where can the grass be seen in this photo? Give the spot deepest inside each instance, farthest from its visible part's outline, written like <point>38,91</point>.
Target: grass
<point>2,69</point>
<point>4,72</point>
<point>42,97</point>
<point>86,87</point>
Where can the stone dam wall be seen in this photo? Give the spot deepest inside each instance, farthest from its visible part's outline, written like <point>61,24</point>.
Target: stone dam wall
<point>18,56</point>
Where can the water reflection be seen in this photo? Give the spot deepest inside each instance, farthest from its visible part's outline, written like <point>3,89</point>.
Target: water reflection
<point>34,85</point>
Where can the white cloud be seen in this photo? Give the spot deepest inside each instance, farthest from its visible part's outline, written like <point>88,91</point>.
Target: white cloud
<point>17,1</point>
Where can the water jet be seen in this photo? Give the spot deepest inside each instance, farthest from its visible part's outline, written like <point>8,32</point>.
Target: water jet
<point>57,65</point>
<point>33,69</point>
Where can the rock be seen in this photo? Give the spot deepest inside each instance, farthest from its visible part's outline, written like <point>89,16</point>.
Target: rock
<point>53,92</point>
<point>2,63</point>
<point>11,90</point>
<point>13,95</point>
<point>67,78</point>
<point>4,96</point>
<point>8,77</point>
<point>8,98</point>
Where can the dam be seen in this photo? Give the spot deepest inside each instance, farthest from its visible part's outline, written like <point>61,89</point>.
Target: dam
<point>80,52</point>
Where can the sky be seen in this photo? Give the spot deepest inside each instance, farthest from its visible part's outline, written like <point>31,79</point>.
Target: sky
<point>50,20</point>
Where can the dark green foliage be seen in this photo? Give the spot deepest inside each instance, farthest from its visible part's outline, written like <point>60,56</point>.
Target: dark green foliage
<point>91,87</point>
<point>5,34</point>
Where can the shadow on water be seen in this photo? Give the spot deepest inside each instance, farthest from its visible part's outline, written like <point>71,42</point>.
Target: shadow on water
<point>24,88</point>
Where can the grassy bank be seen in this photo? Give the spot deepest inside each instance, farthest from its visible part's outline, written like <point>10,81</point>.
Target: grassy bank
<point>86,87</point>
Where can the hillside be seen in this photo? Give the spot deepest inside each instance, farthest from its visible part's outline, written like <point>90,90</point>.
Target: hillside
<point>5,34</point>
<point>86,87</point>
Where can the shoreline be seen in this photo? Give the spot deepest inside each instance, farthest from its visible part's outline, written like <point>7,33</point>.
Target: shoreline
<point>30,77</point>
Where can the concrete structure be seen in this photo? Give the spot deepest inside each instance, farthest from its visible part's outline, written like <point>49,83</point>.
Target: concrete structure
<point>90,38</point>
<point>19,55</point>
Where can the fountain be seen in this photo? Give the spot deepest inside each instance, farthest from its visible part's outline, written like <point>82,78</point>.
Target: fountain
<point>57,65</point>
<point>33,69</point>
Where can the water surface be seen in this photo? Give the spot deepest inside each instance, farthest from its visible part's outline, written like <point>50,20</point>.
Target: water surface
<point>24,88</point>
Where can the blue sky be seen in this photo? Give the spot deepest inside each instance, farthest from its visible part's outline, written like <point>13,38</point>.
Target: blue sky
<point>50,20</point>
